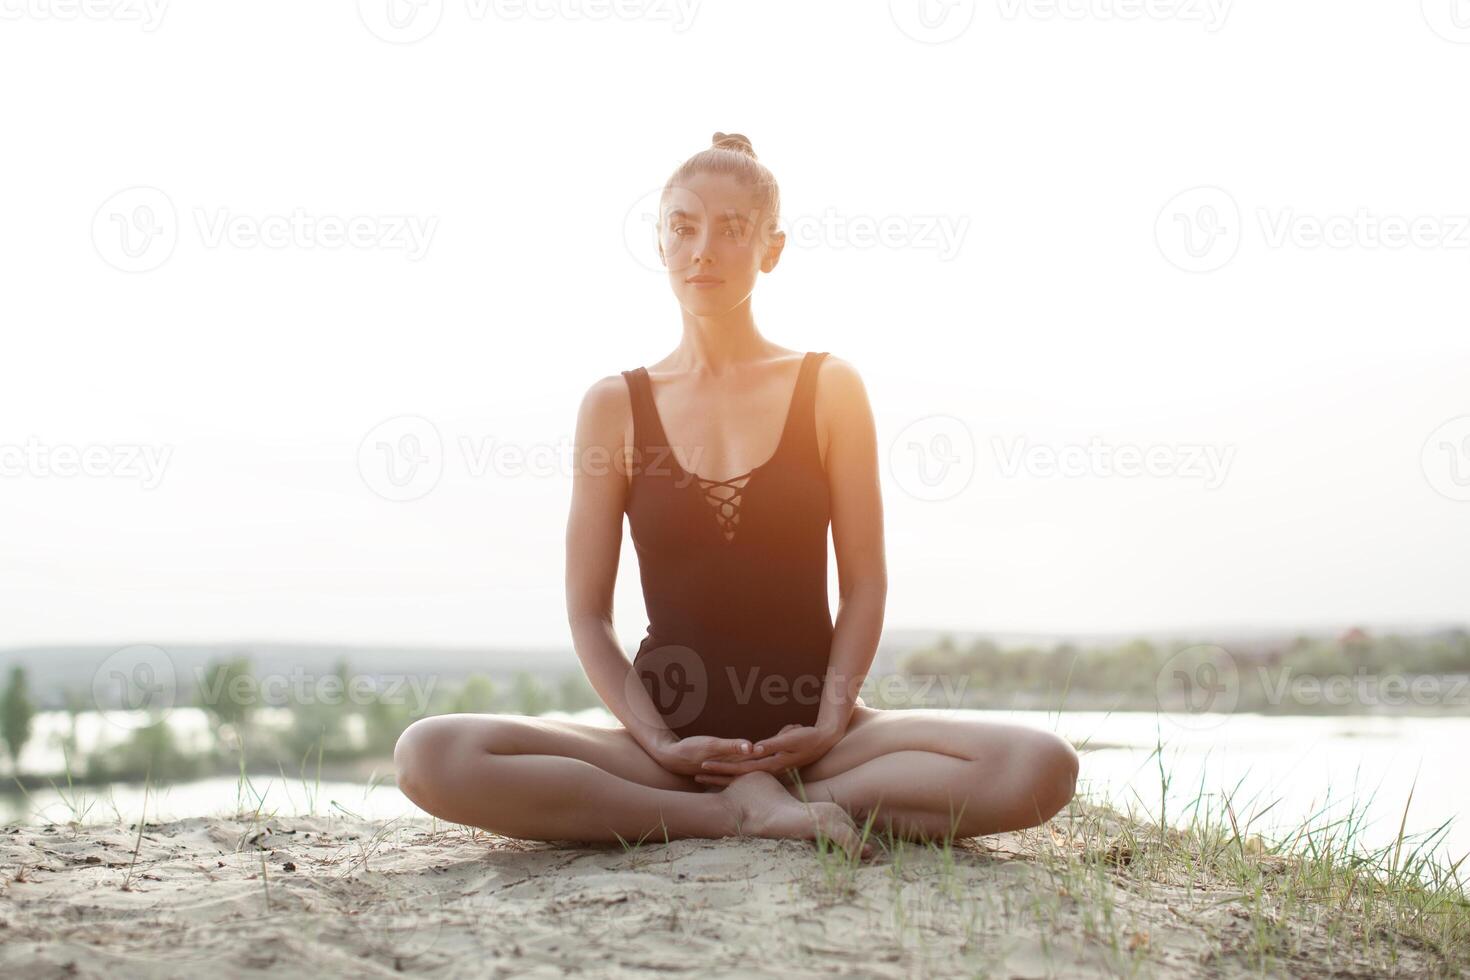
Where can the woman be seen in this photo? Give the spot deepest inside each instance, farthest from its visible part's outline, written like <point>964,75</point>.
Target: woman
<point>740,713</point>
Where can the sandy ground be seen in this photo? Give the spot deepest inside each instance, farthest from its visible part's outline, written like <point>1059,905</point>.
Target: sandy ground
<point>320,896</point>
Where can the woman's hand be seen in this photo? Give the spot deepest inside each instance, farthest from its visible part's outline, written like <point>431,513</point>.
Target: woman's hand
<point>791,748</point>
<point>686,756</point>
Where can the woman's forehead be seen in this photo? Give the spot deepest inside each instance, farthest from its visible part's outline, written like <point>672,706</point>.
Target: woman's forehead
<point>714,194</point>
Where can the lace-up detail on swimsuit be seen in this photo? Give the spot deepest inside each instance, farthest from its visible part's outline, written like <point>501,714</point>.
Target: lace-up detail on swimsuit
<point>727,506</point>
<point>727,496</point>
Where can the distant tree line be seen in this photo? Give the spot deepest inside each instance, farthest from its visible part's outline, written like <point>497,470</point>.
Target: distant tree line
<point>1126,676</point>
<point>343,718</point>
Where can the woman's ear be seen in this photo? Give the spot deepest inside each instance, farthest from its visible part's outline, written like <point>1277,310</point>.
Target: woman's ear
<point>775,242</point>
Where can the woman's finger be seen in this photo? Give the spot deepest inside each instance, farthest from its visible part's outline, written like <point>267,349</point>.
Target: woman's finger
<point>736,747</point>
<point>785,740</point>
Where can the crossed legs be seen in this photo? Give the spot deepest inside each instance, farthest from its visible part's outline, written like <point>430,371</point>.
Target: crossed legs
<point>919,773</point>
<point>930,774</point>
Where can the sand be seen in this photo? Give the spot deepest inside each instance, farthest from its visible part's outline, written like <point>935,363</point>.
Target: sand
<point>322,896</point>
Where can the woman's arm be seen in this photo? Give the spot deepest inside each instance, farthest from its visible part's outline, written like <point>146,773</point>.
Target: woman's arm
<point>594,539</point>
<point>857,538</point>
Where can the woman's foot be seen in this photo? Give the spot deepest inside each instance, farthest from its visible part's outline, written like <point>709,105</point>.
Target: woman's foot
<point>764,808</point>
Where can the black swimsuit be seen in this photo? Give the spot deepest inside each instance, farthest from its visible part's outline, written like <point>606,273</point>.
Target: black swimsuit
<point>734,577</point>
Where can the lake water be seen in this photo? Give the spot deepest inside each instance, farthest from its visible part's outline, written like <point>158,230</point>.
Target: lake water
<point>1278,772</point>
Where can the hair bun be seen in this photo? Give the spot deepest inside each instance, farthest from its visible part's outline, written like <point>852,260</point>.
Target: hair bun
<point>733,141</point>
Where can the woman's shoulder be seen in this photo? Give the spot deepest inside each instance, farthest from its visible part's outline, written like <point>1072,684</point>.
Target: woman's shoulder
<point>839,397</point>
<point>607,405</point>
<point>837,377</point>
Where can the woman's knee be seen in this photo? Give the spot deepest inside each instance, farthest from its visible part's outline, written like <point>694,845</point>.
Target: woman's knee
<point>431,750</point>
<point>1039,779</point>
<point>413,756</point>
<point>1054,767</point>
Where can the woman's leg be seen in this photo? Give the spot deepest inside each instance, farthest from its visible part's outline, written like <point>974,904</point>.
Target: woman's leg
<point>930,774</point>
<point>539,779</point>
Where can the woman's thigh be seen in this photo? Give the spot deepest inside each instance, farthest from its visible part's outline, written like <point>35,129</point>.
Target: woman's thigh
<point>614,750</point>
<point>877,731</point>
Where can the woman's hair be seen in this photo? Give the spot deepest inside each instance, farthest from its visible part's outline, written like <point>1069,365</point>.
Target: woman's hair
<point>731,153</point>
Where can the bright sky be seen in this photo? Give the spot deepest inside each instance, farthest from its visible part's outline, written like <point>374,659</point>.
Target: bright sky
<point>1231,244</point>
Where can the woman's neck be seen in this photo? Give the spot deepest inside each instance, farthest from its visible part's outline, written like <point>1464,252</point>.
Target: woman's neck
<point>713,345</point>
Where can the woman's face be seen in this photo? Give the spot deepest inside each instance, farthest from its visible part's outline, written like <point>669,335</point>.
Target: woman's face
<point>714,240</point>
